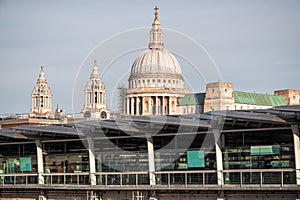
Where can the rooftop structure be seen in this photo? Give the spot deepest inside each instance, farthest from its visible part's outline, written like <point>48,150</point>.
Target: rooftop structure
<point>41,98</point>
<point>218,155</point>
<point>221,96</point>
<point>95,97</point>
<point>155,82</point>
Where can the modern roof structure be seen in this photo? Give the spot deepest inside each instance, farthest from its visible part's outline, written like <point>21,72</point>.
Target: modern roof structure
<point>155,156</point>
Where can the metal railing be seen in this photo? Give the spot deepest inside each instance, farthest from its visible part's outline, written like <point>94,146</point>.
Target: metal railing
<point>82,178</point>
<point>261,177</point>
<point>201,178</point>
<point>122,178</point>
<point>18,179</point>
<point>9,116</point>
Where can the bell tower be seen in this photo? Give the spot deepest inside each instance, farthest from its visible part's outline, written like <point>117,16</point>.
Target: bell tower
<point>95,97</point>
<point>41,96</point>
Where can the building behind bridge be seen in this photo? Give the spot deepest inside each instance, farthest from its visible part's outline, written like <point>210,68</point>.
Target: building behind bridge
<point>169,144</point>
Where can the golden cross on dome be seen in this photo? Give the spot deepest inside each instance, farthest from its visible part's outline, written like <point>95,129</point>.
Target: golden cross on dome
<point>95,63</point>
<point>156,13</point>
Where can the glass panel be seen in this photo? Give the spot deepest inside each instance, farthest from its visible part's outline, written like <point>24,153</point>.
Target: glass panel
<point>84,179</point>
<point>251,177</point>
<point>11,166</point>
<point>265,150</point>
<point>129,179</point>
<point>9,180</point>
<point>118,161</point>
<point>271,177</point>
<point>232,178</point>
<point>101,179</point>
<point>211,178</point>
<point>195,178</point>
<point>71,179</point>
<point>32,180</point>
<point>161,179</point>
<point>255,151</point>
<point>57,179</point>
<point>20,180</point>
<point>252,158</point>
<point>113,179</point>
<point>28,149</point>
<point>47,179</point>
<point>143,179</point>
<point>289,178</point>
<point>177,178</point>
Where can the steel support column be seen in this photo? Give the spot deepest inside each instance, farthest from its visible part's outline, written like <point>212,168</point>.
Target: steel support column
<point>295,130</point>
<point>40,163</point>
<point>92,162</point>
<point>151,161</point>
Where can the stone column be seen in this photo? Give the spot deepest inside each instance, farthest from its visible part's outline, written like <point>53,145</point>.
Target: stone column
<point>143,105</point>
<point>175,101</point>
<point>99,94</point>
<point>170,106</point>
<point>149,105</point>
<point>40,162</point>
<point>104,97</point>
<point>92,99</point>
<point>132,105</point>
<point>33,103</point>
<point>163,105</point>
<point>45,102</point>
<point>92,162</point>
<point>127,106</point>
<point>151,161</point>
<point>137,106</point>
<point>99,97</point>
<point>295,130</point>
<point>156,105</point>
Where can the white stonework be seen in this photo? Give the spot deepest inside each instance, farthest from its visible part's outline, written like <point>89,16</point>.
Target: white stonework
<point>239,106</point>
<point>156,83</point>
<point>95,97</point>
<point>41,96</point>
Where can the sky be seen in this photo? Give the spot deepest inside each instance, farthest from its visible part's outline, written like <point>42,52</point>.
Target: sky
<point>255,45</point>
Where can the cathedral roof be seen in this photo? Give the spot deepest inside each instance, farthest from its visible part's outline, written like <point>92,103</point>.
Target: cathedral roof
<point>192,99</point>
<point>258,99</point>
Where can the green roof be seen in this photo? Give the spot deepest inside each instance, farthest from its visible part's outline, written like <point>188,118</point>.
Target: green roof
<point>258,99</point>
<point>192,99</point>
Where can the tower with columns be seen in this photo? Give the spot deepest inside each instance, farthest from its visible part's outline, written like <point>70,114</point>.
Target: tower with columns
<point>155,83</point>
<point>95,97</point>
<point>41,98</point>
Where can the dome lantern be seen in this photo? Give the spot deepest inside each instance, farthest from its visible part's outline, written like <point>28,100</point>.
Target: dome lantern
<point>156,33</point>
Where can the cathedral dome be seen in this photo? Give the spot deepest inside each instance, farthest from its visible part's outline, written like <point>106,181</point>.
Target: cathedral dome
<point>156,62</point>
<point>156,66</point>
<point>156,83</point>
